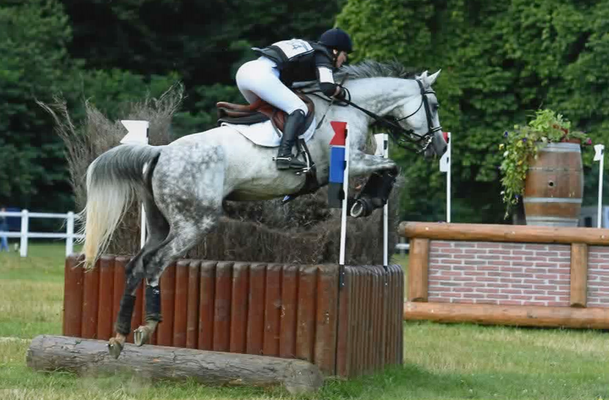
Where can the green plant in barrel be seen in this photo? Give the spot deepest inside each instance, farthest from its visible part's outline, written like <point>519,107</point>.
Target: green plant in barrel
<point>522,145</point>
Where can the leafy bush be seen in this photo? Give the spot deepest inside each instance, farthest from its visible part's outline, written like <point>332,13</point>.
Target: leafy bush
<point>522,146</point>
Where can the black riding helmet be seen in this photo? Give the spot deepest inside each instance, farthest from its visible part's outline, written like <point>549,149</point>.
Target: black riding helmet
<point>338,39</point>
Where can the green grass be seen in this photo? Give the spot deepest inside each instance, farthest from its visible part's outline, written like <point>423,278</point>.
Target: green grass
<point>440,361</point>
<point>31,291</point>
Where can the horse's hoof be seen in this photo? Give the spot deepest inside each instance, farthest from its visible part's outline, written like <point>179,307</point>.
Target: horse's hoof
<point>357,210</point>
<point>141,335</point>
<point>114,348</point>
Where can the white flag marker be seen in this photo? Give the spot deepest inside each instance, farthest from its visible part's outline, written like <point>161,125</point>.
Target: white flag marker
<point>137,133</point>
<point>445,166</point>
<point>599,155</point>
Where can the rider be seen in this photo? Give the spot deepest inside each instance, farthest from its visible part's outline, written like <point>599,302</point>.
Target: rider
<point>280,65</point>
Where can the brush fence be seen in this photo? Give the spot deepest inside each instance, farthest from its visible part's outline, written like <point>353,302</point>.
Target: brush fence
<point>508,275</point>
<point>347,321</point>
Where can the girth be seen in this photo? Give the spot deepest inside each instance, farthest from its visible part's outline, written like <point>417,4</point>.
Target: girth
<point>260,111</point>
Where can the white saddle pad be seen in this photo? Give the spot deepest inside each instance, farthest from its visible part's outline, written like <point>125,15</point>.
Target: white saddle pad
<point>264,134</point>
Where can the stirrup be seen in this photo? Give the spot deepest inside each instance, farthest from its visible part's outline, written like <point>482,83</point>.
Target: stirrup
<point>289,162</point>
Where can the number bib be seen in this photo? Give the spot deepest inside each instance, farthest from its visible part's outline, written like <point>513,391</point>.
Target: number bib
<point>294,47</point>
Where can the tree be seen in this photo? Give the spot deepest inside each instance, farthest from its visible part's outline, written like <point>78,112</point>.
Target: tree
<point>34,63</point>
<point>500,62</point>
<point>212,39</point>
<point>35,66</point>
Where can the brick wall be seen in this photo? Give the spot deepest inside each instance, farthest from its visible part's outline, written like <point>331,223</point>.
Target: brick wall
<point>598,276</point>
<point>507,273</point>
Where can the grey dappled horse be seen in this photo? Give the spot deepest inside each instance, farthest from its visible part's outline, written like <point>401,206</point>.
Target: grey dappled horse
<point>185,182</point>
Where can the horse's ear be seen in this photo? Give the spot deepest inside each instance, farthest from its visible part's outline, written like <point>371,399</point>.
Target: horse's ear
<point>432,78</point>
<point>422,76</point>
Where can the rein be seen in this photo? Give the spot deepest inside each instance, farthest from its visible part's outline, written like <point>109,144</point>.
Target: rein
<point>400,135</point>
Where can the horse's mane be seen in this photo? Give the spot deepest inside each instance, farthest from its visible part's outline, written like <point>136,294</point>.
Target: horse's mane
<point>373,69</point>
<point>366,69</point>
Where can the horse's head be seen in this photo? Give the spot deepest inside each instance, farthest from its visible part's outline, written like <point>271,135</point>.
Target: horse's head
<point>420,112</point>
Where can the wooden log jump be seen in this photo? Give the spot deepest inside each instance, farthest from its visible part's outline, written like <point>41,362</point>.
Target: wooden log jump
<point>90,357</point>
<point>309,312</point>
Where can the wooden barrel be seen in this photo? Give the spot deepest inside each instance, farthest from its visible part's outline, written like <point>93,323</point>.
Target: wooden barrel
<point>554,186</point>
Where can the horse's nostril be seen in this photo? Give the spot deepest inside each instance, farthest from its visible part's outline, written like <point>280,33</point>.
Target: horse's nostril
<point>445,135</point>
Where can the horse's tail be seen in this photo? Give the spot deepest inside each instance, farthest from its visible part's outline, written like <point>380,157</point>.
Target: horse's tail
<point>113,180</point>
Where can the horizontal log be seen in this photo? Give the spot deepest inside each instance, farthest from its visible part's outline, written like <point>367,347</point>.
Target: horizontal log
<point>90,357</point>
<point>488,314</point>
<point>503,233</point>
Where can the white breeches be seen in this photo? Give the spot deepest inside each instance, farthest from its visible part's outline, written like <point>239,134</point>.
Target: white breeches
<point>260,79</point>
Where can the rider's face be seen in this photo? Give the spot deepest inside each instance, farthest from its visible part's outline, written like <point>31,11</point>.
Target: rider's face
<point>341,58</point>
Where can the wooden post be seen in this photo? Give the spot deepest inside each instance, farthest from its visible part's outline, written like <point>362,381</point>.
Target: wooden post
<point>90,303</point>
<point>222,305</point>
<point>579,274</point>
<point>193,305</point>
<point>118,286</point>
<point>167,284</point>
<point>73,296</point>
<point>106,287</point>
<point>272,310</point>
<point>305,331</point>
<point>207,286</point>
<point>325,319</point>
<point>289,309</point>
<point>255,315</point>
<point>180,307</point>
<point>238,321</point>
<point>418,266</point>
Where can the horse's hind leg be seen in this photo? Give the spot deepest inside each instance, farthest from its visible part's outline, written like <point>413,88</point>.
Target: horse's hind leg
<point>183,236</point>
<point>157,228</point>
<point>188,187</point>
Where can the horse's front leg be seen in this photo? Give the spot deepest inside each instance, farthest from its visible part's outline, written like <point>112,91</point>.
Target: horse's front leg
<point>361,163</point>
<point>383,173</point>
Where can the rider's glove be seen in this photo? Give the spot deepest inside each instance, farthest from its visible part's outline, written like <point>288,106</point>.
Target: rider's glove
<point>342,93</point>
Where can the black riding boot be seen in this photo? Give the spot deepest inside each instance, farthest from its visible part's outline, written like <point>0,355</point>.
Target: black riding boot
<point>293,127</point>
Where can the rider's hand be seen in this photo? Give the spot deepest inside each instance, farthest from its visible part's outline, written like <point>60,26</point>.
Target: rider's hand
<point>340,92</point>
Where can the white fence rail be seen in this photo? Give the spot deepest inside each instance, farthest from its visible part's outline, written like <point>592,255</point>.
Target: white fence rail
<point>24,234</point>
<point>402,247</point>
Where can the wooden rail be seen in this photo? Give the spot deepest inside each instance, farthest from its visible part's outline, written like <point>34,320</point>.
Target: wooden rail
<point>489,314</point>
<point>503,233</point>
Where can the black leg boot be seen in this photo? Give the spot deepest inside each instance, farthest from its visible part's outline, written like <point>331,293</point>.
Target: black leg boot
<point>375,193</point>
<point>153,303</point>
<point>123,320</point>
<point>292,128</point>
<point>144,333</point>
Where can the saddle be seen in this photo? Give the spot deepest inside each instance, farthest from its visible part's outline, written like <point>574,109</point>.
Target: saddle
<point>260,111</point>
